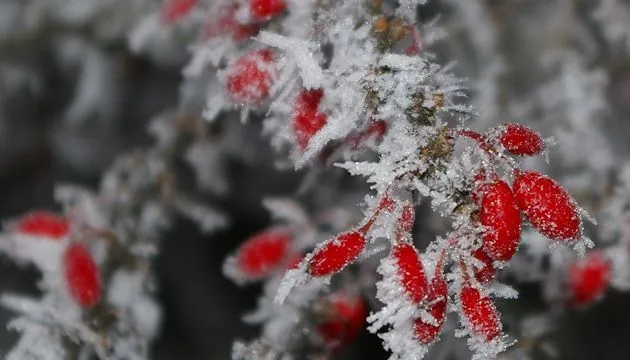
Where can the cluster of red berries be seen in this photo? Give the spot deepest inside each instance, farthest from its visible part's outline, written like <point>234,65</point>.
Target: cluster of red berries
<point>80,271</point>
<point>341,315</point>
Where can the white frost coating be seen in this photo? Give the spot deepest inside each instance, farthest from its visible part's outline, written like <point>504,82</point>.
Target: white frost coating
<point>302,53</point>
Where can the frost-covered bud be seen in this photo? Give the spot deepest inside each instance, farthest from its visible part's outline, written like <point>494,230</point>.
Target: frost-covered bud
<point>548,206</point>
<point>307,119</point>
<point>342,319</point>
<point>336,253</point>
<point>480,314</point>
<point>588,279</point>
<point>500,215</point>
<point>521,140</point>
<point>249,78</point>
<point>82,275</point>
<point>44,224</point>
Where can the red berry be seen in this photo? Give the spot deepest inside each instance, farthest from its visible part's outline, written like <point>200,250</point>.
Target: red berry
<point>228,25</point>
<point>250,77</point>
<point>43,223</point>
<point>480,313</point>
<point>337,253</point>
<point>500,215</point>
<point>82,275</point>
<point>521,140</point>
<point>307,120</point>
<point>437,300</point>
<point>262,10</point>
<point>175,10</point>
<point>588,279</point>
<point>548,206</point>
<point>263,253</point>
<point>411,271</point>
<point>343,319</point>
<point>485,273</point>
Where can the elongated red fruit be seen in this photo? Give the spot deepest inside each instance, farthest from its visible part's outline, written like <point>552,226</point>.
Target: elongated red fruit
<point>410,271</point>
<point>485,273</point>
<point>263,253</point>
<point>250,77</point>
<point>407,218</point>
<point>82,276</point>
<point>343,319</point>
<point>588,279</point>
<point>43,223</point>
<point>500,215</point>
<point>307,120</point>
<point>437,298</point>
<point>548,206</point>
<point>336,254</point>
<point>481,315</point>
<point>521,140</point>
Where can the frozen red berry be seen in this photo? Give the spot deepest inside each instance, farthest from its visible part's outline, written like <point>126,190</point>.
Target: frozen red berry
<point>436,301</point>
<point>175,10</point>
<point>228,25</point>
<point>343,318</point>
<point>249,79</point>
<point>482,317</point>
<point>485,273</point>
<point>263,253</point>
<point>500,215</point>
<point>410,271</point>
<point>548,206</point>
<point>336,254</point>
<point>43,223</point>
<point>82,276</point>
<point>262,10</point>
<point>588,279</point>
<point>521,140</point>
<point>307,119</point>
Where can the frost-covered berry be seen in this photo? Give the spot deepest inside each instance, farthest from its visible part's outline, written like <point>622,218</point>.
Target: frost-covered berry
<point>249,78</point>
<point>262,253</point>
<point>548,206</point>
<point>482,317</point>
<point>485,273</point>
<point>175,10</point>
<point>410,271</point>
<point>342,320</point>
<point>43,223</point>
<point>336,254</point>
<point>588,279</point>
<point>500,215</point>
<point>437,298</point>
<point>228,25</point>
<point>521,140</point>
<point>262,10</point>
<point>307,120</point>
<point>82,275</point>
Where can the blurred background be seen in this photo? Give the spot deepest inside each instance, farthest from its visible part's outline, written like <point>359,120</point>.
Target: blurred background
<point>49,134</point>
